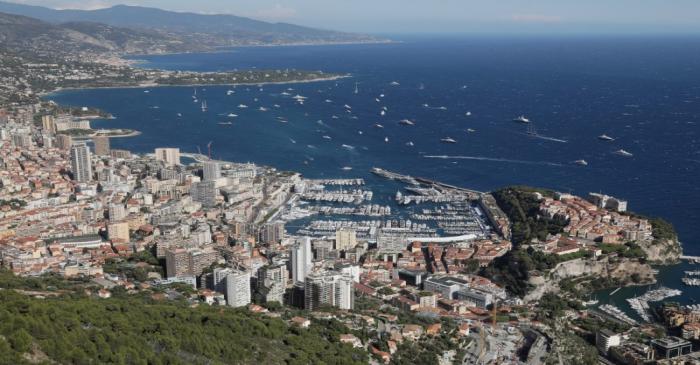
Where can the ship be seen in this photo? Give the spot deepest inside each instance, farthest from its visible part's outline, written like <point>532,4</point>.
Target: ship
<point>262,109</point>
<point>448,140</point>
<point>379,126</point>
<point>229,92</point>
<point>204,106</point>
<point>395,83</point>
<point>581,162</point>
<point>470,130</point>
<point>522,119</point>
<point>231,115</point>
<point>623,153</point>
<point>605,137</point>
<point>242,106</point>
<point>409,143</point>
<point>406,122</point>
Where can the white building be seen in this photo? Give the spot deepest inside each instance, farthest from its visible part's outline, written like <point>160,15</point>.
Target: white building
<point>80,160</point>
<point>211,170</point>
<point>301,259</point>
<point>328,288</point>
<point>238,289</point>
<point>171,156</point>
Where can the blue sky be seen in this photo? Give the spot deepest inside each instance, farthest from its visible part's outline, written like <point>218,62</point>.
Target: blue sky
<point>453,16</point>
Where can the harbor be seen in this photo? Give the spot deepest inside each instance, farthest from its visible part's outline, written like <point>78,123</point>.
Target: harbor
<point>641,304</point>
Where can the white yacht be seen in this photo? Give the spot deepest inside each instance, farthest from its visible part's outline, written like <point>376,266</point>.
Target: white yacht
<point>581,162</point>
<point>522,119</point>
<point>623,153</point>
<point>605,137</point>
<point>448,140</point>
<point>242,106</point>
<point>406,122</point>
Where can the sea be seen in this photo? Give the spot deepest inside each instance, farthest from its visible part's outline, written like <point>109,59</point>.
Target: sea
<point>643,91</point>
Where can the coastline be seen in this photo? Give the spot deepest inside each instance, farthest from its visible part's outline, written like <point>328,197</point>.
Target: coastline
<point>145,86</point>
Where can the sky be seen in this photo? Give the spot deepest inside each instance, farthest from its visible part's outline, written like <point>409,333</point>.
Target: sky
<point>442,16</point>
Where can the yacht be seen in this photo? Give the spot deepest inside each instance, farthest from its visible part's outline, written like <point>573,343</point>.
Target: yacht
<point>442,108</point>
<point>179,114</point>
<point>262,109</point>
<point>225,123</point>
<point>448,140</point>
<point>284,93</point>
<point>347,168</point>
<point>376,99</point>
<point>409,143</point>
<point>468,114</point>
<point>147,91</point>
<point>230,92</point>
<point>329,101</point>
<point>231,115</point>
<point>605,137</point>
<point>334,117</point>
<point>425,105</point>
<point>394,83</point>
<point>406,122</point>
<point>386,139</point>
<point>623,153</point>
<point>581,162</point>
<point>382,113</point>
<point>381,95</point>
<point>522,119</point>
<point>326,137</point>
<point>346,106</point>
<point>242,106</point>
<point>379,125</point>
<point>470,130</point>
<point>204,106</point>
<point>359,132</point>
<point>348,146</point>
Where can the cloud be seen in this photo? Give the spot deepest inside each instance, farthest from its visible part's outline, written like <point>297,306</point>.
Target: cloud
<point>72,4</point>
<point>535,18</point>
<point>277,12</point>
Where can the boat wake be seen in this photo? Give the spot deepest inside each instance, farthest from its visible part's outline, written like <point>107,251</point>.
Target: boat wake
<point>493,159</point>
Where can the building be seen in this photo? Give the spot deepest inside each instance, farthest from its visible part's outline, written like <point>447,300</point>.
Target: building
<point>219,278</point>
<point>204,192</point>
<point>272,283</point>
<point>238,289</point>
<point>101,145</point>
<point>118,232</point>
<point>48,124</point>
<point>607,202</point>
<point>670,347</point>
<point>605,339</point>
<point>177,262</point>
<point>64,141</point>
<point>328,288</point>
<point>345,239</point>
<point>454,288</point>
<point>272,233</point>
<point>81,164</point>
<point>170,156</point>
<point>211,170</point>
<point>301,259</point>
<point>21,140</point>
<point>116,212</point>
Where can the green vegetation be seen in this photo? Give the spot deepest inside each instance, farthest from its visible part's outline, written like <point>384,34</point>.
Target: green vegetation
<point>522,208</point>
<point>136,329</point>
<point>629,250</point>
<point>513,269</point>
<point>14,204</point>
<point>77,132</point>
<point>662,230</point>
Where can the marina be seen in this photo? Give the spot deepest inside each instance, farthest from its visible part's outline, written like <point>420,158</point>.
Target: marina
<point>641,304</point>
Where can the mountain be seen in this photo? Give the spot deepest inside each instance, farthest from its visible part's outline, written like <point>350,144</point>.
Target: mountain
<point>32,37</point>
<point>210,30</point>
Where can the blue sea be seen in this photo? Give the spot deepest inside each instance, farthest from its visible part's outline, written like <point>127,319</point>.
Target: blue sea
<point>644,92</point>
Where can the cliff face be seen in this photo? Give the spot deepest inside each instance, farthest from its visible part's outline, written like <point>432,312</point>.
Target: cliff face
<point>663,252</point>
<point>620,271</point>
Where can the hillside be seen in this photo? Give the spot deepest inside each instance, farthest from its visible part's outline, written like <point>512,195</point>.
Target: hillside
<point>64,326</point>
<point>211,30</point>
<point>32,37</point>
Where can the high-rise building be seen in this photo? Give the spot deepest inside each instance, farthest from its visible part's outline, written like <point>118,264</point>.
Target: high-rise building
<point>171,156</point>
<point>272,283</point>
<point>211,170</point>
<point>118,231</point>
<point>328,288</point>
<point>48,124</point>
<point>81,162</point>
<point>272,233</point>
<point>204,192</point>
<point>177,262</point>
<point>101,145</point>
<point>21,140</point>
<point>238,289</point>
<point>116,212</point>
<point>64,141</point>
<point>345,239</point>
<point>301,259</point>
<point>219,278</point>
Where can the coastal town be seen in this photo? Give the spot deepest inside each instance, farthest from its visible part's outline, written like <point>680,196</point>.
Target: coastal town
<point>420,271</point>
